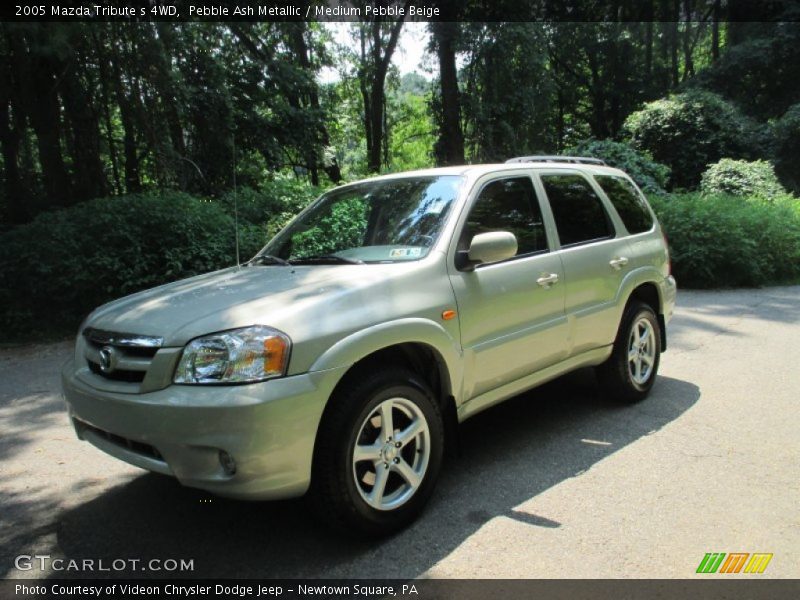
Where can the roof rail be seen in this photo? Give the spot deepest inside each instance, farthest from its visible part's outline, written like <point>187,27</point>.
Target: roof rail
<point>559,159</point>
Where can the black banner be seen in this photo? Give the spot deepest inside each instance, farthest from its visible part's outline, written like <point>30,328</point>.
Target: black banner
<point>355,10</point>
<point>417,589</point>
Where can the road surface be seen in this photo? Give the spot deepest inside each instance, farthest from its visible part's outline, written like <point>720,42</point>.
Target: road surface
<point>556,483</point>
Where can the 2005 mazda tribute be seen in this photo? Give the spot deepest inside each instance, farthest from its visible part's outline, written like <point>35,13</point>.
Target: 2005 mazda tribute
<point>340,359</point>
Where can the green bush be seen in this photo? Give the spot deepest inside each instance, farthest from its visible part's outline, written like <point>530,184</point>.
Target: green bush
<point>787,148</point>
<point>273,204</point>
<point>649,175</point>
<point>689,131</point>
<point>729,241</point>
<point>742,178</point>
<point>61,265</point>
<point>265,211</point>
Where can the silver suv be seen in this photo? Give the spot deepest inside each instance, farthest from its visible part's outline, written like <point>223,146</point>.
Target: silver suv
<point>340,359</point>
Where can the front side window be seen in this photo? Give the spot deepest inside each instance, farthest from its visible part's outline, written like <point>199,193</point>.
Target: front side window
<point>376,221</point>
<point>578,211</point>
<point>628,201</point>
<point>507,205</point>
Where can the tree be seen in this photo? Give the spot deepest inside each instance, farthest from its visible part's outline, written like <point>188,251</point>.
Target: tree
<point>742,178</point>
<point>689,131</point>
<point>449,149</point>
<point>377,39</point>
<point>36,64</point>
<point>787,148</point>
<point>508,96</point>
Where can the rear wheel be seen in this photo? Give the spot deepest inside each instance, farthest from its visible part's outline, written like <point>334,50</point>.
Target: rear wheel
<point>630,371</point>
<point>378,453</point>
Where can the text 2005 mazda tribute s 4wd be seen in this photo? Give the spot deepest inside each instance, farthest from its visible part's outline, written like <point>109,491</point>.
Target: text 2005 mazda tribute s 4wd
<point>336,361</point>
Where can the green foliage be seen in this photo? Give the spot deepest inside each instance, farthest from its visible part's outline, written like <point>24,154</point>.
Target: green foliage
<point>507,97</point>
<point>347,143</point>
<point>761,74</point>
<point>742,178</point>
<point>272,205</point>
<point>689,131</point>
<point>62,264</point>
<point>728,241</point>
<point>412,131</point>
<point>787,148</point>
<point>342,227</point>
<point>649,175</point>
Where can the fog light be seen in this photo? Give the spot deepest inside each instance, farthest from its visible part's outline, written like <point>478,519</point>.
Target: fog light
<point>227,462</point>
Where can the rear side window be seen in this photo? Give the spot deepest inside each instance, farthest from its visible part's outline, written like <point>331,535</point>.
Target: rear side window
<point>508,205</point>
<point>628,201</point>
<point>578,211</point>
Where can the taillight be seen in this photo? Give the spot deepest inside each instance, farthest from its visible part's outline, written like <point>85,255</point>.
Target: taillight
<point>666,248</point>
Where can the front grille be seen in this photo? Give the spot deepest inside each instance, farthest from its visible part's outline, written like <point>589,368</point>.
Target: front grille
<point>117,375</point>
<point>123,442</point>
<point>124,357</point>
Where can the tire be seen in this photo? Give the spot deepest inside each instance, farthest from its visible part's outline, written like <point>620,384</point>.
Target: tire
<point>630,372</point>
<point>344,491</point>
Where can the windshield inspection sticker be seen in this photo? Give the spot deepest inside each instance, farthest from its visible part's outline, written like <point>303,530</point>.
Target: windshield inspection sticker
<point>405,252</point>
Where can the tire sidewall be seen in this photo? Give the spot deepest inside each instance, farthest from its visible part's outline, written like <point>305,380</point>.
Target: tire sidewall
<point>377,521</point>
<point>635,315</point>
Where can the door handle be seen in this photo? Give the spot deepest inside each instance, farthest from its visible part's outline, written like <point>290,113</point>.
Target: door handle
<point>618,263</point>
<point>547,280</point>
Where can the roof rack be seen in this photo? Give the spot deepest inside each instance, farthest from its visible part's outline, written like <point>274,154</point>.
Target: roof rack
<point>558,159</point>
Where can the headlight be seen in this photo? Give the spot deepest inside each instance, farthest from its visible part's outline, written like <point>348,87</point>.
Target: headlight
<point>237,356</point>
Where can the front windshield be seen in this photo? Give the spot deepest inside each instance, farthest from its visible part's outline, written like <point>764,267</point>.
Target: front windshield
<point>376,221</point>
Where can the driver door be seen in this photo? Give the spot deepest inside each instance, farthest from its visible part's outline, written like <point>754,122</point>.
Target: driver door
<point>511,312</point>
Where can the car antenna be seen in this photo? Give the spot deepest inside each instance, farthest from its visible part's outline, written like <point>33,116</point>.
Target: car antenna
<point>235,203</point>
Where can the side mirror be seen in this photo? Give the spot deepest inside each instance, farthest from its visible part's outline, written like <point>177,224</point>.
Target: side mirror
<point>488,248</point>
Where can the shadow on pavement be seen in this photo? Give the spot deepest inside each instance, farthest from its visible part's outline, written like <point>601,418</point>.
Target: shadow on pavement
<point>510,454</point>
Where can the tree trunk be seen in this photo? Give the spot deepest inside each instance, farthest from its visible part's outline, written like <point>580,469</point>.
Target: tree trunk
<point>331,169</point>
<point>715,32</point>
<point>450,146</point>
<point>599,124</point>
<point>17,209</point>
<point>105,100</point>
<point>673,43</point>
<point>648,44</point>
<point>37,80</point>
<point>376,70</point>
<point>688,61</point>
<point>89,179</point>
<point>166,87</point>
<point>129,144</point>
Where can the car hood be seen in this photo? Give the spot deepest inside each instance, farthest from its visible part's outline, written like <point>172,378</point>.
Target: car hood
<point>278,296</point>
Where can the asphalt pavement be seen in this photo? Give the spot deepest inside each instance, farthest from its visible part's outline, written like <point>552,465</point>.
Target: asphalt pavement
<point>556,483</point>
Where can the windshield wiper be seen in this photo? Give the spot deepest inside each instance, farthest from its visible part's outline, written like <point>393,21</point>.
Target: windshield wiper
<point>325,258</point>
<point>268,259</point>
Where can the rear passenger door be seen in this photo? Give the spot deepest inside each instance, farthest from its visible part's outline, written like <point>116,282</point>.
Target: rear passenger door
<point>647,249</point>
<point>595,260</point>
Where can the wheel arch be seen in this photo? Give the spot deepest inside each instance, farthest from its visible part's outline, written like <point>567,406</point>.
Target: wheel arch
<point>416,344</point>
<point>649,293</point>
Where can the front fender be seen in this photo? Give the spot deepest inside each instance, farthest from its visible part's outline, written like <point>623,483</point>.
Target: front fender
<point>357,346</point>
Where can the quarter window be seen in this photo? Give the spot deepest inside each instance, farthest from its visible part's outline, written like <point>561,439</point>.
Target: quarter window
<point>578,211</point>
<point>508,205</point>
<point>628,201</point>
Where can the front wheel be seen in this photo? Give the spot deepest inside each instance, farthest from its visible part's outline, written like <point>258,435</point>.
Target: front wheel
<point>378,453</point>
<point>630,371</point>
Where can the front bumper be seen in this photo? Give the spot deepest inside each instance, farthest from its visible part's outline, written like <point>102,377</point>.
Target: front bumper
<point>268,428</point>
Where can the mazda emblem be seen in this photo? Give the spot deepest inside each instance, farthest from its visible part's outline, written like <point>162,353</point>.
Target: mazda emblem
<point>108,359</point>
